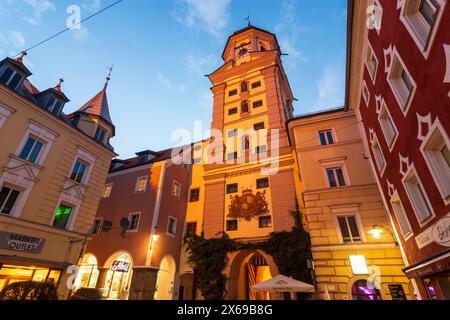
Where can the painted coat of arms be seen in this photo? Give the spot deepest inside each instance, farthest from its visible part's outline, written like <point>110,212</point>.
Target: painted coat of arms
<point>248,205</point>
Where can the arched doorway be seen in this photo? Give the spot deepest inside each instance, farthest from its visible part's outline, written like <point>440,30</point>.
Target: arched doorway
<point>166,278</point>
<point>247,269</point>
<point>88,273</point>
<point>362,291</point>
<point>120,268</point>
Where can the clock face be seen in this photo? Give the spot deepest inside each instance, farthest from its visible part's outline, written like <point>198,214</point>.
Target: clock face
<point>242,51</point>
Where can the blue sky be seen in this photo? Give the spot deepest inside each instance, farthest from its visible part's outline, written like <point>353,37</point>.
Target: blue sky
<point>161,51</point>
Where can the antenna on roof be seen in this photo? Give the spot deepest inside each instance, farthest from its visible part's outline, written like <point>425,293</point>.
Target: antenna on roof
<point>108,78</point>
<point>248,20</point>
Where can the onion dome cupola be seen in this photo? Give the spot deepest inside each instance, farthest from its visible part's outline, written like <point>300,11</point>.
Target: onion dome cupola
<point>13,72</point>
<point>94,119</point>
<point>52,99</point>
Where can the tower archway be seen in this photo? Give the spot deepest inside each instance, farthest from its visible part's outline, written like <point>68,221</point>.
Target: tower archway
<point>165,279</point>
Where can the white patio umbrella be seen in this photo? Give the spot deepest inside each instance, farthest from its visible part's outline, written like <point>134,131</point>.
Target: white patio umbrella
<point>282,283</point>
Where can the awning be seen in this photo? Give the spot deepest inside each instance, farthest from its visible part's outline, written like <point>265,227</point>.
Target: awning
<point>282,284</point>
<point>437,264</point>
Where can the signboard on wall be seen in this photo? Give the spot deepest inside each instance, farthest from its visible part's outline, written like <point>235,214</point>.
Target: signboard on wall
<point>20,242</point>
<point>120,266</point>
<point>397,292</point>
<point>438,233</point>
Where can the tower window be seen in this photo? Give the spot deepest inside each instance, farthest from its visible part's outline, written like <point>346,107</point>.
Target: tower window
<point>258,126</point>
<point>244,107</point>
<point>262,183</point>
<point>256,84</point>
<point>232,92</point>
<point>244,86</point>
<point>232,188</point>
<point>349,229</point>
<point>232,111</point>
<point>11,78</point>
<point>257,104</point>
<point>100,134</point>
<point>232,225</point>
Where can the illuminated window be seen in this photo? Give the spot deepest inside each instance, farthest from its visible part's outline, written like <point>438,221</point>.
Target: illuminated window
<point>31,150</point>
<point>336,177</point>
<point>195,195</point>
<point>349,229</point>
<point>176,189</point>
<point>172,226</point>
<point>8,197</point>
<point>232,225</point>
<point>141,184</point>
<point>78,171</point>
<point>326,137</point>
<point>362,291</point>
<point>62,216</point>
<point>265,222</point>
<point>107,190</point>
<point>232,188</point>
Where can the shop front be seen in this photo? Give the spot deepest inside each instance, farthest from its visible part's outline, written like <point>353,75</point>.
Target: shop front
<point>115,278</point>
<point>10,273</point>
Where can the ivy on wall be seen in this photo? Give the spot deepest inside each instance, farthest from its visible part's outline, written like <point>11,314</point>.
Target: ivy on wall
<point>290,250</point>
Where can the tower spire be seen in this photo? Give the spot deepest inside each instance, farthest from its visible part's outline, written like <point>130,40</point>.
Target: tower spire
<point>22,54</point>
<point>248,20</point>
<point>108,78</point>
<point>58,86</point>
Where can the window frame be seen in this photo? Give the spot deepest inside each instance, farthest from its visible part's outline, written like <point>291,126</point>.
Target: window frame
<point>335,165</point>
<point>39,154</point>
<point>178,194</point>
<point>435,160</point>
<point>365,89</point>
<point>257,126</point>
<point>169,218</point>
<point>197,199</point>
<point>373,74</point>
<point>85,172</point>
<point>269,225</point>
<point>17,200</point>
<point>265,186</point>
<point>136,187</point>
<point>351,211</point>
<point>403,216</point>
<point>187,228</point>
<point>130,215</point>
<point>110,185</point>
<point>11,77</point>
<point>415,24</point>
<point>412,199</point>
<point>378,156</point>
<point>70,220</point>
<point>96,231</point>
<point>227,225</point>
<point>333,136</point>
<point>232,111</point>
<point>384,110</point>
<point>229,185</point>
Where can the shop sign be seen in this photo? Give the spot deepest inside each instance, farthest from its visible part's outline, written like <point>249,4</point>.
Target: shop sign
<point>19,242</point>
<point>359,265</point>
<point>438,233</point>
<point>397,292</point>
<point>120,266</point>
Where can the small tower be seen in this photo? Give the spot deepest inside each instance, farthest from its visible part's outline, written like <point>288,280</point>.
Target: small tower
<point>93,118</point>
<point>52,99</point>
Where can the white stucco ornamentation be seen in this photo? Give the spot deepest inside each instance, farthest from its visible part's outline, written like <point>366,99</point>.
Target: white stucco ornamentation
<point>400,4</point>
<point>447,58</point>
<point>404,165</point>
<point>391,189</point>
<point>424,125</point>
<point>378,101</point>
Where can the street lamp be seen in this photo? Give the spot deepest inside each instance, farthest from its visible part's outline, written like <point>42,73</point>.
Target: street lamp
<point>376,232</point>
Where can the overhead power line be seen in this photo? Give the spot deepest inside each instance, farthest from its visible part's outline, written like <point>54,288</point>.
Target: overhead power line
<point>67,29</point>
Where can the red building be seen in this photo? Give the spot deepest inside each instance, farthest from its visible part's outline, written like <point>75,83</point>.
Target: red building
<point>405,113</point>
<point>137,237</point>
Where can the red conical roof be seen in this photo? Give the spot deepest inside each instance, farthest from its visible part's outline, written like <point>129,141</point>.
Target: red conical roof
<point>97,106</point>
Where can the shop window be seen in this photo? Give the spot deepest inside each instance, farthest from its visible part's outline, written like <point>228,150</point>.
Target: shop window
<point>31,150</point>
<point>8,197</point>
<point>421,18</point>
<point>191,228</point>
<point>107,190</point>
<point>141,184</point>
<point>172,226</point>
<point>62,216</point>
<point>436,151</point>
<point>349,229</point>
<point>232,188</point>
<point>326,137</point>
<point>134,219</point>
<point>417,196</point>
<point>262,183</point>
<point>388,127</point>
<point>195,195</point>
<point>78,171</point>
<point>232,225</point>
<point>430,289</point>
<point>336,177</point>
<point>265,222</point>
<point>401,82</point>
<point>176,189</point>
<point>362,291</point>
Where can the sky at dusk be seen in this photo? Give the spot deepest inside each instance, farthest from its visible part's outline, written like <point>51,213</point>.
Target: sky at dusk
<point>161,50</point>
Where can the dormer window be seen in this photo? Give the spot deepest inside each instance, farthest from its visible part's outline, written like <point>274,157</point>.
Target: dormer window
<point>100,134</point>
<point>142,159</point>
<point>54,106</point>
<point>11,78</point>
